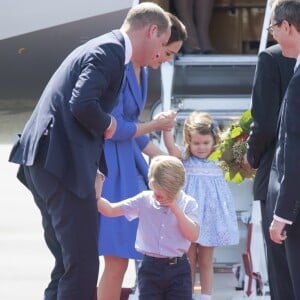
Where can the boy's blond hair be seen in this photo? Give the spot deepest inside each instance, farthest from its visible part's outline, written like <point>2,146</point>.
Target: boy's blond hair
<point>167,173</point>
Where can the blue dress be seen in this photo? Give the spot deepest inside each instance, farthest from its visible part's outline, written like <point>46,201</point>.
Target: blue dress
<point>127,168</point>
<point>218,221</point>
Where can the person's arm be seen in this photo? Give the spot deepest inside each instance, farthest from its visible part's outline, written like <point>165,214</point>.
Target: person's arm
<point>89,103</point>
<point>100,177</point>
<point>188,227</point>
<point>265,105</point>
<point>152,150</point>
<point>163,121</point>
<point>287,206</point>
<point>172,148</point>
<point>109,132</point>
<point>127,112</point>
<point>127,129</point>
<point>288,153</point>
<point>109,209</point>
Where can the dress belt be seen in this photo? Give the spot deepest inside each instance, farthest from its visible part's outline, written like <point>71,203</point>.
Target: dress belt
<point>165,260</point>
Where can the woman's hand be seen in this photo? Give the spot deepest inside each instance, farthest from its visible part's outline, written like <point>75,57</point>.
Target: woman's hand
<point>165,120</point>
<point>109,132</point>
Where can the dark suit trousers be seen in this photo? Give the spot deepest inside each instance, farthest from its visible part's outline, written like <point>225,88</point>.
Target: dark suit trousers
<point>70,229</point>
<point>278,272</point>
<point>292,245</point>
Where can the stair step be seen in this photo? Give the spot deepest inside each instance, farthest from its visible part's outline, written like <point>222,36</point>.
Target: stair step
<point>214,102</point>
<point>227,108</point>
<point>215,60</point>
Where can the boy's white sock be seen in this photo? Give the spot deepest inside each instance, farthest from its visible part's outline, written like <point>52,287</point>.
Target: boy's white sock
<point>205,297</point>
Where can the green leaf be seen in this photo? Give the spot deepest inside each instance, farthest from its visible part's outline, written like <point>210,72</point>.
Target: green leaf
<point>246,120</point>
<point>238,178</point>
<point>227,176</point>
<point>215,155</point>
<point>236,132</point>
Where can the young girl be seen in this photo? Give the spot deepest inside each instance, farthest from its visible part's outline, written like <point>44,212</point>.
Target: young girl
<point>206,183</point>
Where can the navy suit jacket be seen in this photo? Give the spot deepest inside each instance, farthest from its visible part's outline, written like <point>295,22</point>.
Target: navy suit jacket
<point>272,76</point>
<point>74,110</point>
<point>286,164</point>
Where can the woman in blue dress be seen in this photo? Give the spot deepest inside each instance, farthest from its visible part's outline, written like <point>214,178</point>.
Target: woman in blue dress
<point>206,183</point>
<point>127,166</point>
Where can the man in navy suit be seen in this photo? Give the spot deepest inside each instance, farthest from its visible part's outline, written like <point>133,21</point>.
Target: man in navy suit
<point>285,173</point>
<point>60,149</point>
<point>272,76</point>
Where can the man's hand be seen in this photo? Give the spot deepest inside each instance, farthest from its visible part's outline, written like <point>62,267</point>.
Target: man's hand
<point>245,162</point>
<point>277,232</point>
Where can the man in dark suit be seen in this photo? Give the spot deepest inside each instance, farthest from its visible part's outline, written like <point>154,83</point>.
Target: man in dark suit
<point>272,75</point>
<point>285,173</point>
<point>61,147</point>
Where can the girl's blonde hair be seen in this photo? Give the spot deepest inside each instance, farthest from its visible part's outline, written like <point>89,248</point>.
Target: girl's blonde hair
<point>202,123</point>
<point>167,173</point>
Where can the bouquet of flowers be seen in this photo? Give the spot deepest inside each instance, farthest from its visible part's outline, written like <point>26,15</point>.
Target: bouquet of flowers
<point>232,148</point>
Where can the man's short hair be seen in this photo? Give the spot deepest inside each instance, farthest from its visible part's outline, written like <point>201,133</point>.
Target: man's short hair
<point>147,13</point>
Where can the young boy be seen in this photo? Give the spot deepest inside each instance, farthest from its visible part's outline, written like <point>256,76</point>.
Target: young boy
<point>167,226</point>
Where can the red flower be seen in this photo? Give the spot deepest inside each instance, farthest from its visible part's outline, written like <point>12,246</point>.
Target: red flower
<point>243,137</point>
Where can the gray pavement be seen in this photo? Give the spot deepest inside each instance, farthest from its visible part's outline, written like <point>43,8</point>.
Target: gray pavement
<point>25,263</point>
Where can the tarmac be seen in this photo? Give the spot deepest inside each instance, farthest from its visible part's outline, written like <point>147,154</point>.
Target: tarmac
<point>25,263</point>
